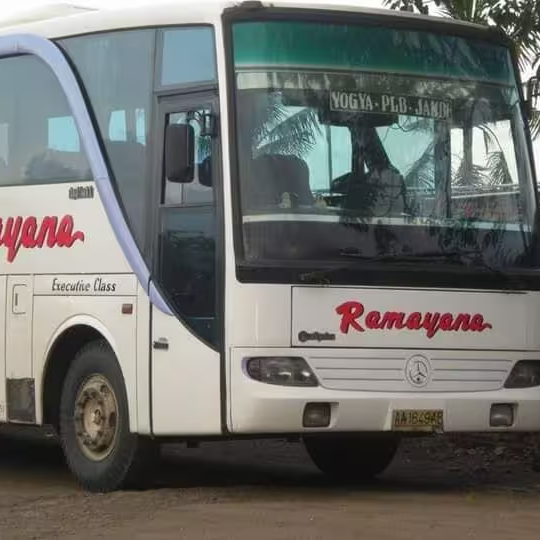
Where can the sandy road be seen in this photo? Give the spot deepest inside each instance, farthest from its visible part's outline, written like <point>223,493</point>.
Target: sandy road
<point>264,490</point>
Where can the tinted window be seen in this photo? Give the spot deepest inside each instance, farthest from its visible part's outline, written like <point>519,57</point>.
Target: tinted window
<point>62,134</point>
<point>118,126</point>
<point>117,72</point>
<point>117,69</point>
<point>187,263</point>
<point>4,137</point>
<point>39,141</point>
<point>188,56</point>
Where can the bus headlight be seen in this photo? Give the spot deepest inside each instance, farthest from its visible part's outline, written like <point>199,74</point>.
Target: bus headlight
<point>525,374</point>
<point>284,371</point>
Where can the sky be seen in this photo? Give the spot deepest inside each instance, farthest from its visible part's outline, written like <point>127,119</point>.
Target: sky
<point>8,11</point>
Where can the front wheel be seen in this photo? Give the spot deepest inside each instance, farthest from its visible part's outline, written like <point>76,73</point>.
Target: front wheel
<point>100,451</point>
<point>352,457</point>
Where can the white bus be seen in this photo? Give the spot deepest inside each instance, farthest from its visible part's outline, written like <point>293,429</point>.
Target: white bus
<point>254,219</point>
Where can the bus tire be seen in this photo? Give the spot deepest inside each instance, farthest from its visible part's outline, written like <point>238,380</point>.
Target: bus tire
<point>352,457</point>
<point>99,449</point>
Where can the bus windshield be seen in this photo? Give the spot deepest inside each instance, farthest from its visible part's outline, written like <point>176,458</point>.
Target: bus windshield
<point>378,141</point>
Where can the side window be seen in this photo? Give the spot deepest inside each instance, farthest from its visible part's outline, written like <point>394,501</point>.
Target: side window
<point>119,129</point>
<point>188,56</point>
<point>39,142</point>
<point>118,126</point>
<point>117,70</point>
<point>119,73</point>
<point>4,148</point>
<point>186,265</point>
<point>62,135</point>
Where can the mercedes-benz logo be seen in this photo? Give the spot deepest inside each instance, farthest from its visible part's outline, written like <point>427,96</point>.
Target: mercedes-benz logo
<point>418,371</point>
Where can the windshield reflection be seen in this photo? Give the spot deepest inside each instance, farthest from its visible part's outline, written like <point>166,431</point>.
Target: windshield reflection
<point>381,164</point>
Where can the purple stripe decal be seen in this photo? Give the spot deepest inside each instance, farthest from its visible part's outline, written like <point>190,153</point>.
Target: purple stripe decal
<point>49,53</point>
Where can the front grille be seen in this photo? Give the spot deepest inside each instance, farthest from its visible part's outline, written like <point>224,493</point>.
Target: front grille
<point>381,373</point>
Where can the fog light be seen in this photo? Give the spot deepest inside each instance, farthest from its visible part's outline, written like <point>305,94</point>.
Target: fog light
<point>501,415</point>
<point>525,374</point>
<point>285,371</point>
<point>316,415</point>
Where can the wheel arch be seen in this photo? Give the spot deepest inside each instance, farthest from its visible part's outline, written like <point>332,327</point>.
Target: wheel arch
<point>70,337</point>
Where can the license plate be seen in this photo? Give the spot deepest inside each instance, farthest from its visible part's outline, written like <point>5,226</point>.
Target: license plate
<point>418,420</point>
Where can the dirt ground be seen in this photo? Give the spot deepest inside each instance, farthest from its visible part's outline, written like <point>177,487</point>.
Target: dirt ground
<point>441,488</point>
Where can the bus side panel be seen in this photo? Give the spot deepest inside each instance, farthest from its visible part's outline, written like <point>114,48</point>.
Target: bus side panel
<point>20,396</point>
<point>55,314</point>
<point>186,397</point>
<point>3,412</point>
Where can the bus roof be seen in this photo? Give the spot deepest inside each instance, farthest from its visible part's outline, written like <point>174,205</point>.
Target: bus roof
<point>42,13</point>
<point>62,20</point>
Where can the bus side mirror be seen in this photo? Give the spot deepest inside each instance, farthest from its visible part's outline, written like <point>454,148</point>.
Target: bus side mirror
<point>179,153</point>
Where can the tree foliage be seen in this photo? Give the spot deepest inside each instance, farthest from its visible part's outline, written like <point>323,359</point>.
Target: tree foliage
<point>518,19</point>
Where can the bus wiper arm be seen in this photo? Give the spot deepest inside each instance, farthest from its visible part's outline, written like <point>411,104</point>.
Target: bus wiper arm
<point>455,256</point>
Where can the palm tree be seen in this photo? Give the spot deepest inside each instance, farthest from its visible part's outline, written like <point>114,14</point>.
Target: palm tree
<point>282,133</point>
<point>519,19</point>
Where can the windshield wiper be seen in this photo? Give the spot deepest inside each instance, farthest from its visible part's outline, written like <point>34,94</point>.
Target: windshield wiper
<point>455,256</point>
<point>459,257</point>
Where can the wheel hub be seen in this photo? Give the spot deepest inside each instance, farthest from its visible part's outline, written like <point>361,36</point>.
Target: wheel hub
<point>96,411</point>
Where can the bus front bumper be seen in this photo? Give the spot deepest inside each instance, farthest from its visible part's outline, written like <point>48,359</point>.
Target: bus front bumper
<point>256,407</point>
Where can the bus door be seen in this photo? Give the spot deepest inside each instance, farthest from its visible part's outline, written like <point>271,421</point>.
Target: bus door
<point>185,359</point>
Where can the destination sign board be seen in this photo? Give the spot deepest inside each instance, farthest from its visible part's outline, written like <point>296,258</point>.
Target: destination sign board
<point>369,102</point>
